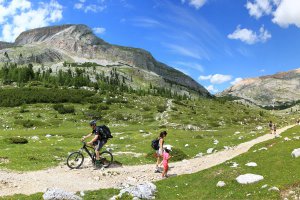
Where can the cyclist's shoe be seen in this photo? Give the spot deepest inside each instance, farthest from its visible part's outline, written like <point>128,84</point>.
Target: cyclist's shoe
<point>98,164</point>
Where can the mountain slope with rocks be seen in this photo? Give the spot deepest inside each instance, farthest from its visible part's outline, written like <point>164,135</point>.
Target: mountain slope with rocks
<point>280,90</point>
<point>52,46</point>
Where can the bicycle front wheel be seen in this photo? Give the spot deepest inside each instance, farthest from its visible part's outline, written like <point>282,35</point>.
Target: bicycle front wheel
<point>106,158</point>
<point>75,160</point>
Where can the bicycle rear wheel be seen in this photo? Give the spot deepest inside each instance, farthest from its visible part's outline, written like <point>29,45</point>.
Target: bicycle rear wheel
<point>75,160</point>
<point>106,158</point>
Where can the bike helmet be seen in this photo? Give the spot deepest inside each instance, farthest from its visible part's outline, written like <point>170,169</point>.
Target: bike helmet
<point>93,122</point>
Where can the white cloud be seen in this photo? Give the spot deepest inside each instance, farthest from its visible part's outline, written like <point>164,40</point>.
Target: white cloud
<point>212,89</point>
<point>259,8</point>
<point>287,13</point>
<point>86,7</point>
<point>236,80</point>
<point>99,30</point>
<point>195,3</point>
<point>249,36</point>
<point>216,78</point>
<point>283,12</point>
<point>22,16</point>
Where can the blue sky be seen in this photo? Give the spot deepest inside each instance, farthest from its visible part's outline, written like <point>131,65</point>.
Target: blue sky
<point>216,42</point>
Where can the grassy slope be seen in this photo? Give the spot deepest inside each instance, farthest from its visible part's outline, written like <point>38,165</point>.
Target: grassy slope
<point>217,121</point>
<point>276,165</point>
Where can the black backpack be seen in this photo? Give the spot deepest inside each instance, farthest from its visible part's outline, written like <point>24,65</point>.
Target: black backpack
<point>155,144</point>
<point>105,132</point>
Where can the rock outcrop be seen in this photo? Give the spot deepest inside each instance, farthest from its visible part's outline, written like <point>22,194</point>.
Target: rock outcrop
<point>280,90</point>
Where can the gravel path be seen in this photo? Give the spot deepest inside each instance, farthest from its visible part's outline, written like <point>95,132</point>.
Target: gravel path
<point>88,179</point>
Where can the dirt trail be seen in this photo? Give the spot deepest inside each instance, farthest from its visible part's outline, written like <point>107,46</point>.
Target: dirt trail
<point>89,179</point>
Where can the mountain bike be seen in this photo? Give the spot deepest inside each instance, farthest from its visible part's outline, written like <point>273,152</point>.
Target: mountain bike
<point>75,159</point>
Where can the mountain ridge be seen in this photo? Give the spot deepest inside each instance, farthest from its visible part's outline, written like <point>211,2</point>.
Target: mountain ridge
<point>64,42</point>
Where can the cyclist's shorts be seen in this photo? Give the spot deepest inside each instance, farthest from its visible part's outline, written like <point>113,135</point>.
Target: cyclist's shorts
<point>99,144</point>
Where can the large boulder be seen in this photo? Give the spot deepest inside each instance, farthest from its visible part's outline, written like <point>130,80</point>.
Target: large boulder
<point>249,178</point>
<point>296,153</point>
<point>143,191</point>
<point>59,194</point>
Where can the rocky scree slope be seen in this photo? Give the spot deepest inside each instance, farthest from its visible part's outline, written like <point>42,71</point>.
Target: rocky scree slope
<point>69,42</point>
<point>278,90</point>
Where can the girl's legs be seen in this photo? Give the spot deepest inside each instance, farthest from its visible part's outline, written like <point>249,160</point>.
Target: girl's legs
<point>164,173</point>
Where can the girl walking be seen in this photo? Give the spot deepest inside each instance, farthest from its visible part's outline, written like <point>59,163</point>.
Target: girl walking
<point>165,162</point>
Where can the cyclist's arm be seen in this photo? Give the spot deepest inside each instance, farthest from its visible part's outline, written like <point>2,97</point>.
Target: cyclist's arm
<point>84,137</point>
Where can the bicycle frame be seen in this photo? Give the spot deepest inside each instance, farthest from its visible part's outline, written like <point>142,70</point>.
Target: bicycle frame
<point>88,149</point>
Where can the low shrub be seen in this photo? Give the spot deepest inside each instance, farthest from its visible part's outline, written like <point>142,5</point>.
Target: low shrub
<point>16,140</point>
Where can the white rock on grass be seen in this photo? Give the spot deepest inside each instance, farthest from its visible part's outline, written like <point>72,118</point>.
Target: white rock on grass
<point>251,164</point>
<point>143,191</point>
<point>48,135</point>
<point>234,165</point>
<point>35,138</point>
<point>296,153</point>
<point>210,150</point>
<point>221,184</point>
<point>199,155</point>
<point>263,148</point>
<point>59,194</point>
<point>216,142</point>
<point>264,186</point>
<point>297,137</point>
<point>259,127</point>
<point>241,137</point>
<point>249,178</point>
<point>287,139</point>
<point>274,189</point>
<point>237,132</point>
<point>186,145</point>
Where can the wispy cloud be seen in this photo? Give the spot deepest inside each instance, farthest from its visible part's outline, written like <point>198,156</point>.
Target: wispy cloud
<point>95,7</point>
<point>190,65</point>
<point>147,22</point>
<point>184,51</point>
<point>195,3</point>
<point>212,89</point>
<point>99,30</point>
<point>236,80</point>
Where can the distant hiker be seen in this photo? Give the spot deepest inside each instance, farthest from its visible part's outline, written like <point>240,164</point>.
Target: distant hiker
<point>271,126</point>
<point>99,140</point>
<point>159,152</point>
<point>274,129</point>
<point>165,162</point>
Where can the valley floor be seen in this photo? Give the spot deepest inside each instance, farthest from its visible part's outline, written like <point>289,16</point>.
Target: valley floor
<point>88,179</point>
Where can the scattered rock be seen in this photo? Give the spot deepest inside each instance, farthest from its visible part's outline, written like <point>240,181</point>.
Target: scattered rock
<point>121,138</point>
<point>210,150</point>
<point>264,186</point>
<point>249,178</point>
<point>186,145</point>
<point>234,165</point>
<point>251,164</point>
<point>216,142</point>
<point>58,194</point>
<point>241,137</point>
<point>143,191</point>
<point>274,189</point>
<point>287,139</point>
<point>35,138</point>
<point>263,148</point>
<point>221,184</point>
<point>48,135</point>
<point>259,128</point>
<point>199,155</point>
<point>237,132</point>
<point>296,153</point>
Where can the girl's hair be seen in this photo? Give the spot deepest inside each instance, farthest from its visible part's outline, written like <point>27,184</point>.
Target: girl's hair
<point>163,134</point>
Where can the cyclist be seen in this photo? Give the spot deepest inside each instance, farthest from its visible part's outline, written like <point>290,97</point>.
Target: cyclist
<point>98,141</point>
